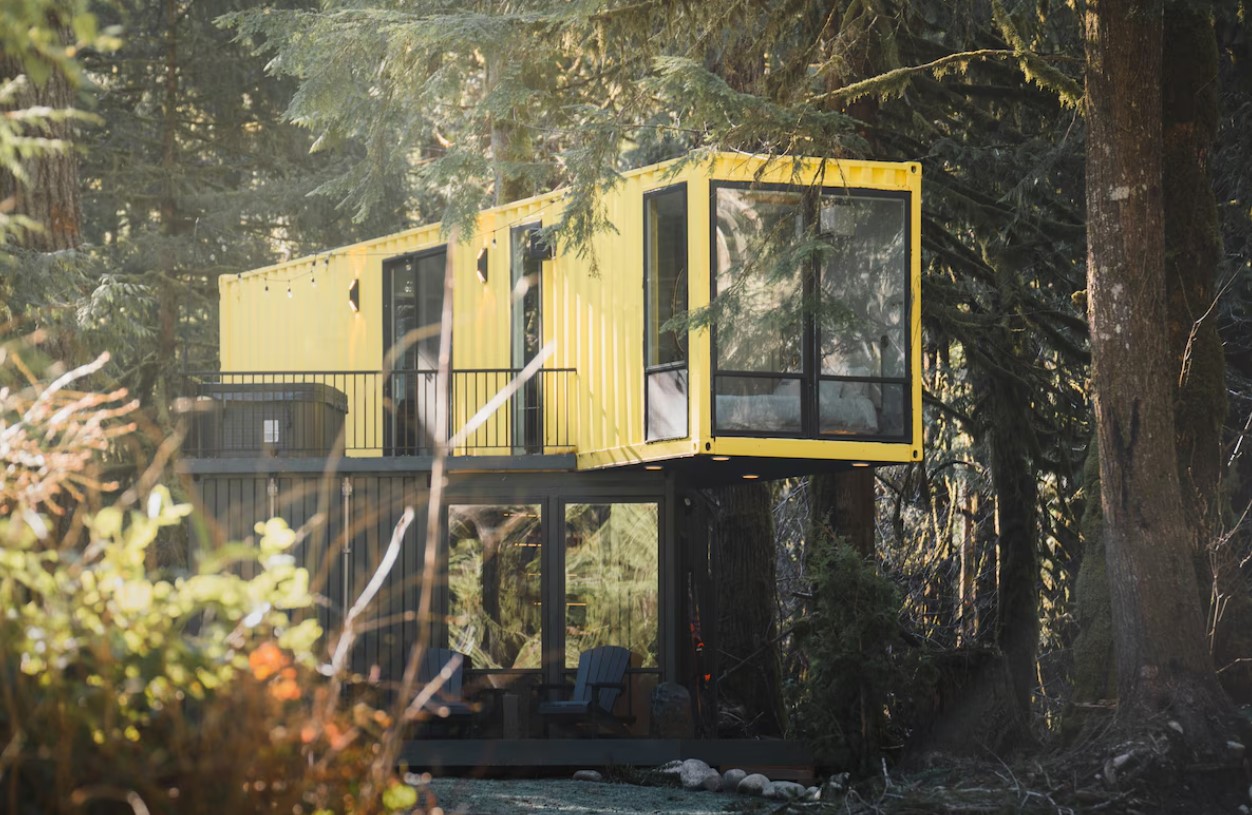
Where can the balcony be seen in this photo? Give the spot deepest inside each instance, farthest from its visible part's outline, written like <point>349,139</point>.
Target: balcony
<point>371,414</point>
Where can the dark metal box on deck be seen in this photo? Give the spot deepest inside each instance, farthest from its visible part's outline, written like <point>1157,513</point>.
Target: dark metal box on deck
<point>269,418</point>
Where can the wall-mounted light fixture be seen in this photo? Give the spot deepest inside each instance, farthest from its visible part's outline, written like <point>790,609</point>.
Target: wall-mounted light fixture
<point>354,296</point>
<point>482,264</point>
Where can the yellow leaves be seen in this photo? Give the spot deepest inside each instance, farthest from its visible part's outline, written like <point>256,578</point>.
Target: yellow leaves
<point>276,536</point>
<point>301,638</point>
<point>399,797</point>
<point>134,597</point>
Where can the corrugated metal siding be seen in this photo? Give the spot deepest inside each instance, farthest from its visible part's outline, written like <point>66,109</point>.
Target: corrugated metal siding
<point>233,505</point>
<point>593,316</point>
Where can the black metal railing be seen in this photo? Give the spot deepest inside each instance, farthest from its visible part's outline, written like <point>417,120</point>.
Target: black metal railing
<point>372,413</point>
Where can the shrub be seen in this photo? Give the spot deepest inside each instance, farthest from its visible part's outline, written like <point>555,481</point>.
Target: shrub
<point>857,664</point>
<point>128,689</point>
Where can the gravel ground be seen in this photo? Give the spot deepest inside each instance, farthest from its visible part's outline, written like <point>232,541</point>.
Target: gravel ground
<point>475,796</point>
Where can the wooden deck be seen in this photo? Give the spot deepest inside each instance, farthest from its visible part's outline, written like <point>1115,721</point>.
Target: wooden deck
<point>451,754</point>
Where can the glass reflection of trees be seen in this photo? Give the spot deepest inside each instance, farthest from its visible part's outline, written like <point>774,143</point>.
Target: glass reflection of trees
<point>611,579</point>
<point>759,284</point>
<point>811,287</point>
<point>863,275</point>
<point>494,584</point>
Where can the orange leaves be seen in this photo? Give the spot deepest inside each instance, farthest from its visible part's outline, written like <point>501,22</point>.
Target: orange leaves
<point>269,663</point>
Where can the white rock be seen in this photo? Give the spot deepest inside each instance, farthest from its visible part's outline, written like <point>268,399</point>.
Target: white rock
<point>835,786</point>
<point>1176,726</point>
<point>768,790</point>
<point>731,779</point>
<point>712,781</point>
<point>1243,810</point>
<point>588,775</point>
<point>693,772</point>
<point>1120,761</point>
<point>813,794</point>
<point>1235,747</point>
<point>752,784</point>
<point>785,791</point>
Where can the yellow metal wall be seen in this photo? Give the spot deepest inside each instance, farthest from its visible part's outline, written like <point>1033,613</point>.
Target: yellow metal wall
<point>592,314</point>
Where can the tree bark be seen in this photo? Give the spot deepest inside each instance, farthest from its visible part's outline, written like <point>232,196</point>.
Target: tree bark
<point>50,195</point>
<point>1163,663</point>
<point>1017,509</point>
<point>1193,250</point>
<point>841,505</point>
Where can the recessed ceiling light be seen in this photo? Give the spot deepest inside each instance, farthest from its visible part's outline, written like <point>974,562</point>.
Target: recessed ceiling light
<point>860,464</point>
<point>721,458</point>
<point>652,467</point>
<point>751,476</point>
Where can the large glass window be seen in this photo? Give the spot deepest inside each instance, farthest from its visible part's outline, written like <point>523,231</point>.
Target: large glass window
<point>665,297</point>
<point>611,579</point>
<point>861,319</point>
<point>759,283</point>
<point>811,312</point>
<point>495,582</point>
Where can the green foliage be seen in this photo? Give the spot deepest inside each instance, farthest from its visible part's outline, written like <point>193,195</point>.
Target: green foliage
<point>94,625</point>
<point>856,658</point>
<point>43,36</point>
<point>129,688</point>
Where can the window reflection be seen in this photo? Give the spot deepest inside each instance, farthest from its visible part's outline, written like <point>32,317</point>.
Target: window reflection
<point>812,289</point>
<point>761,327</point>
<point>494,584</point>
<point>611,579</point>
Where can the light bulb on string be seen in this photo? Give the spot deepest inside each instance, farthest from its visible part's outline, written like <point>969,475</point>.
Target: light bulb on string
<point>289,295</point>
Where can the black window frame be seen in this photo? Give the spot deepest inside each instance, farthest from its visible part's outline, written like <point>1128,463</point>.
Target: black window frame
<point>684,364</point>
<point>526,239</point>
<point>390,446</point>
<point>810,376</point>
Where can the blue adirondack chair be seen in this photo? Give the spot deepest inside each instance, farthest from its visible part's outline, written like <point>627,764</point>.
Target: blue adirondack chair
<point>596,688</point>
<point>445,668</point>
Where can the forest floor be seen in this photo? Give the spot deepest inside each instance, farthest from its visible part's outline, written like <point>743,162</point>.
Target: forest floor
<point>976,788</point>
<point>1138,776</point>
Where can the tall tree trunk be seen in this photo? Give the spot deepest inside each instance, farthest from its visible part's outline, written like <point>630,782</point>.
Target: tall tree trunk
<point>1193,247</point>
<point>841,505</point>
<point>1157,620</point>
<point>510,145</point>
<point>50,195</point>
<point>167,291</point>
<point>744,578</point>
<point>1013,479</point>
<point>1095,669</point>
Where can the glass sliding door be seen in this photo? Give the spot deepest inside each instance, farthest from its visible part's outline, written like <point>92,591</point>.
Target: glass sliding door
<point>526,279</point>
<point>413,287</point>
<point>665,301</point>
